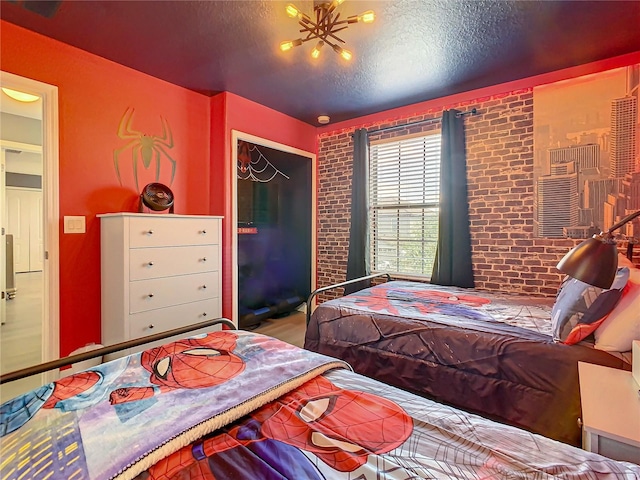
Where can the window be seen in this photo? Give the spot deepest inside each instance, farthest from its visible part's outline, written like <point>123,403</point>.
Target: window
<point>404,191</point>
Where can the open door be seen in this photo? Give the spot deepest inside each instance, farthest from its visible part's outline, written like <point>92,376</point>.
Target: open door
<point>41,219</point>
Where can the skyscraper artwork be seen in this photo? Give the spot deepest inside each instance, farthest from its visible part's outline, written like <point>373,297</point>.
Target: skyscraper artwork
<point>587,154</point>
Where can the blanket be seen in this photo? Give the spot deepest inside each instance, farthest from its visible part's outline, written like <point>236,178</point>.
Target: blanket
<point>344,426</point>
<point>118,419</point>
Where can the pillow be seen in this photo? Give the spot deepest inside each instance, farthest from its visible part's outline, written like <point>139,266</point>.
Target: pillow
<point>623,261</point>
<point>580,308</point>
<point>622,326</point>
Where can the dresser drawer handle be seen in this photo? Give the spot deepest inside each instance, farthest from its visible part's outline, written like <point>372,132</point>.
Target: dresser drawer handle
<point>150,264</point>
<point>204,259</point>
<point>204,287</point>
<point>203,232</point>
<point>152,326</point>
<point>150,232</point>
<point>151,295</point>
<point>204,314</point>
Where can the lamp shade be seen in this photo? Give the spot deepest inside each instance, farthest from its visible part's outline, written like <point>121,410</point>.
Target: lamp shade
<point>594,261</point>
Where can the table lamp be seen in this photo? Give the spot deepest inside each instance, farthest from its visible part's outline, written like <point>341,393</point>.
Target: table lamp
<point>595,261</point>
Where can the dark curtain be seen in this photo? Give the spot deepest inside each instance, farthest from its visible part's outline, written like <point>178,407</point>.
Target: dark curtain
<point>452,264</point>
<point>358,260</point>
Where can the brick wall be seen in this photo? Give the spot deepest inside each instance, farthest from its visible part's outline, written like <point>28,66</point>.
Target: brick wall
<point>499,138</point>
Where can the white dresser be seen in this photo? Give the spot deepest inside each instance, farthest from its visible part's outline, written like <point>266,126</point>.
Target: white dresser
<point>159,272</point>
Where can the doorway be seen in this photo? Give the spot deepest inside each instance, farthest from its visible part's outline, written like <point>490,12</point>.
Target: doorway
<point>28,230</point>
<point>268,228</point>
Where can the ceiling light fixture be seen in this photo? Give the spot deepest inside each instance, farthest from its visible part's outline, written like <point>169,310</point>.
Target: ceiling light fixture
<point>324,28</point>
<point>20,96</point>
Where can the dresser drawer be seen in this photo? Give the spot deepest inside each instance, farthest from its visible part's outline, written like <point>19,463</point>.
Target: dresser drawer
<point>148,323</point>
<point>164,292</point>
<point>168,261</point>
<point>160,232</point>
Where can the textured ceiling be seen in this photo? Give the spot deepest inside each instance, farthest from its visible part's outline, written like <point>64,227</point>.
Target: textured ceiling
<point>414,51</point>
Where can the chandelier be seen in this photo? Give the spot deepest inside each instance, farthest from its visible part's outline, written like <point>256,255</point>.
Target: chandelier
<point>325,27</point>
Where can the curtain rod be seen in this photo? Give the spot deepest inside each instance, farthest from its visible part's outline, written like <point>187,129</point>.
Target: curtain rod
<point>429,120</point>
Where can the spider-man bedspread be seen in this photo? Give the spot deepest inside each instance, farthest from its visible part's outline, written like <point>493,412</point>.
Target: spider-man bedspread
<point>236,405</point>
<point>485,352</point>
<point>123,416</point>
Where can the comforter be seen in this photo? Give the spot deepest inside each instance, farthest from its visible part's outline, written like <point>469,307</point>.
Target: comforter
<point>488,353</point>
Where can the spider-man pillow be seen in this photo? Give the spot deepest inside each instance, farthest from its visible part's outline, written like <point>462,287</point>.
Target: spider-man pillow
<point>581,308</point>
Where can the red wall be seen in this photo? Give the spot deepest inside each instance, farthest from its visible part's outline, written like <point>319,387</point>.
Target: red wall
<point>230,112</point>
<point>93,95</point>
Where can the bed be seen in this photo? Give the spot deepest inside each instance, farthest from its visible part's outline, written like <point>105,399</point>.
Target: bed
<point>237,404</point>
<point>488,353</point>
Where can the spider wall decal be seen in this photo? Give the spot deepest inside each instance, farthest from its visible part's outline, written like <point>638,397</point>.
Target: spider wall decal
<point>258,170</point>
<point>144,147</point>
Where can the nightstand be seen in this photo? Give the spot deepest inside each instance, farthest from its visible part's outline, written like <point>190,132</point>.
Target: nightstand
<point>610,412</point>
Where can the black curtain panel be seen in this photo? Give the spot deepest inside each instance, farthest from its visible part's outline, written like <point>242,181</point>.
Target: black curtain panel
<point>358,260</point>
<point>452,264</point>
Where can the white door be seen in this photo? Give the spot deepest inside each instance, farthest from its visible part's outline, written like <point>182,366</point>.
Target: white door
<point>18,226</point>
<point>24,222</point>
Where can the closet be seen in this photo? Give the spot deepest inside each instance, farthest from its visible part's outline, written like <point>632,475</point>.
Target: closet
<point>274,212</point>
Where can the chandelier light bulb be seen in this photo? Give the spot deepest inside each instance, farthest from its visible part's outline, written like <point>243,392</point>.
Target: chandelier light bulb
<point>292,10</point>
<point>367,17</point>
<point>289,44</point>
<point>343,52</point>
<point>315,53</point>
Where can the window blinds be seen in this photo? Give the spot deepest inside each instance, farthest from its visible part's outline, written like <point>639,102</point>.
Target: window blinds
<point>404,185</point>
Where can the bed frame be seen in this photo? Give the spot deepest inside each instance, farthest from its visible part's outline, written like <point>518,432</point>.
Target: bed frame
<point>338,285</point>
<point>100,352</point>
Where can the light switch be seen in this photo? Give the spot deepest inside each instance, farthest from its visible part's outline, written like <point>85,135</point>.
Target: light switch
<point>74,224</point>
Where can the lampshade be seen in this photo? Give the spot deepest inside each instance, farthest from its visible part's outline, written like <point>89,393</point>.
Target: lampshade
<point>593,261</point>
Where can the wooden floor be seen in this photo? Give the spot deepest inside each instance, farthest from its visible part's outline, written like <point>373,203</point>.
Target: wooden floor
<point>21,334</point>
<point>289,329</point>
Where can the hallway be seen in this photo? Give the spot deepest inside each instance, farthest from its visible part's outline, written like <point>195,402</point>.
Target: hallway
<point>21,334</point>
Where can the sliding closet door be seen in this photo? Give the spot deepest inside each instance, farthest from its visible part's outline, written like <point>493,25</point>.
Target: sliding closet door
<point>274,237</point>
